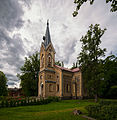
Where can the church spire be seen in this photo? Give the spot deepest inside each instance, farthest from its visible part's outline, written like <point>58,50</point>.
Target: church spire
<point>47,38</point>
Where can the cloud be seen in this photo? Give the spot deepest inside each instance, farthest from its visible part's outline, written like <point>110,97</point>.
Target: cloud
<point>10,14</point>
<point>11,45</point>
<point>1,66</point>
<point>23,24</point>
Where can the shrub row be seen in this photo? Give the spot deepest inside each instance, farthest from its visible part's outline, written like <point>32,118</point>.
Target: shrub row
<point>108,102</point>
<point>27,101</point>
<point>105,110</point>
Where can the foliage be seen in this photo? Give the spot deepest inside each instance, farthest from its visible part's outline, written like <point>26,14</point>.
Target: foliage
<point>53,99</point>
<point>112,92</point>
<point>90,60</point>
<point>81,2</point>
<point>11,103</point>
<point>29,75</point>
<point>59,63</point>
<point>105,110</point>
<point>109,78</point>
<point>6,103</point>
<point>108,102</point>
<point>3,81</point>
<point>75,65</point>
<point>27,101</point>
<point>2,104</point>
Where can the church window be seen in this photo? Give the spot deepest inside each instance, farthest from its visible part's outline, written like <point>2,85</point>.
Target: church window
<point>57,88</point>
<point>49,60</point>
<point>41,77</point>
<point>68,88</point>
<point>42,60</point>
<point>50,87</point>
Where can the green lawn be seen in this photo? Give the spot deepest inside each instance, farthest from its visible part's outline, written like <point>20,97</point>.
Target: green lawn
<point>54,111</point>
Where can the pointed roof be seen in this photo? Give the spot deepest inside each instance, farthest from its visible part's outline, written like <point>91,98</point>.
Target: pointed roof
<point>47,38</point>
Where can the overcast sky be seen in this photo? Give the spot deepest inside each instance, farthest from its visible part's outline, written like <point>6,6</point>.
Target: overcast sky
<point>23,24</point>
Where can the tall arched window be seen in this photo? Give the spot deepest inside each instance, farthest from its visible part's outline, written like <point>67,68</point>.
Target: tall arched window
<point>49,60</point>
<point>42,60</point>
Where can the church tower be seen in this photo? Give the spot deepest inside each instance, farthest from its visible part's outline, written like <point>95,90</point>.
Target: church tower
<point>47,52</point>
<point>47,62</point>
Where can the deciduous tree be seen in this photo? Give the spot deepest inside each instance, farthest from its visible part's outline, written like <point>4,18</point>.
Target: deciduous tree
<point>90,59</point>
<point>3,81</point>
<point>59,63</point>
<point>110,76</point>
<point>81,2</point>
<point>29,75</point>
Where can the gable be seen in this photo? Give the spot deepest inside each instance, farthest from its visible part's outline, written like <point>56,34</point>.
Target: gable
<point>50,47</point>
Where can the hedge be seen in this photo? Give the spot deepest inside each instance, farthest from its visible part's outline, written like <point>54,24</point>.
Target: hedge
<point>105,110</point>
<point>27,101</point>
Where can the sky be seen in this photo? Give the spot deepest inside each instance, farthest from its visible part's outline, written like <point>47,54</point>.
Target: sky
<point>23,25</point>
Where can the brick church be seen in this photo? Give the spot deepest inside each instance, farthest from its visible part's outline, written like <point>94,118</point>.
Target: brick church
<point>53,79</point>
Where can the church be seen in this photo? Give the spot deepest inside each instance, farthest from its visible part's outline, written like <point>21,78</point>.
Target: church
<point>55,80</point>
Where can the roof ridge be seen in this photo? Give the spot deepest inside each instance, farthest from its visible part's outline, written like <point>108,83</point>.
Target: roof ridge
<point>67,69</point>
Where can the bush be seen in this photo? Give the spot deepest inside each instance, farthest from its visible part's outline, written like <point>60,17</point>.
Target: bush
<point>105,110</point>
<point>53,99</point>
<point>28,101</point>
<point>11,103</point>
<point>23,102</point>
<point>108,112</point>
<point>108,102</point>
<point>18,103</point>
<point>93,110</point>
<point>7,103</point>
<point>112,93</point>
<point>14,103</point>
<point>2,98</point>
<point>2,104</point>
<point>34,101</point>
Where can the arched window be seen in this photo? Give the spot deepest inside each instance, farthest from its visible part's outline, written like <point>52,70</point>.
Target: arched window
<point>41,77</point>
<point>57,88</point>
<point>68,88</point>
<point>42,60</point>
<point>49,60</point>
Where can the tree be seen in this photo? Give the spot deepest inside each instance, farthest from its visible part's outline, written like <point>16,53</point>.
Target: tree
<point>62,64</point>
<point>3,81</point>
<point>110,76</point>
<point>29,75</point>
<point>81,2</point>
<point>90,60</point>
<point>75,65</point>
<point>59,63</point>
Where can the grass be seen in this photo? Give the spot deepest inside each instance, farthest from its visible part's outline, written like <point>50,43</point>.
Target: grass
<point>54,111</point>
